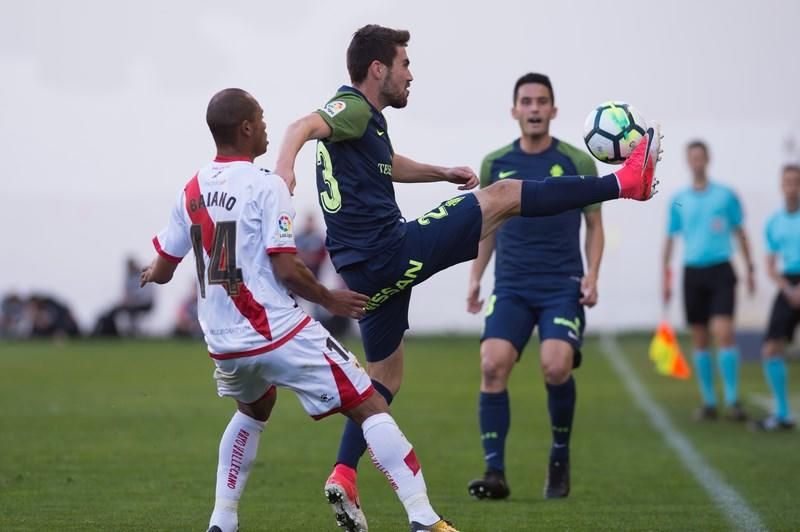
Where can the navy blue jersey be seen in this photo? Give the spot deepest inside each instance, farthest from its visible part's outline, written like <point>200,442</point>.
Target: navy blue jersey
<point>354,180</point>
<point>548,245</point>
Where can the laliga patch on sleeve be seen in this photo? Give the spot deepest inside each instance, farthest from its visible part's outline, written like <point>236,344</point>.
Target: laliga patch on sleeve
<point>285,226</point>
<point>334,108</point>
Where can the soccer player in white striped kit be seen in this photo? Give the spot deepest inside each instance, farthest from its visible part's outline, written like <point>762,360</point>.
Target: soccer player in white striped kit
<point>238,220</point>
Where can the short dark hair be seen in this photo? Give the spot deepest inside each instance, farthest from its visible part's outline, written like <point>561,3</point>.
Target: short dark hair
<point>533,77</point>
<point>698,144</point>
<point>371,43</point>
<point>226,111</point>
<point>791,167</point>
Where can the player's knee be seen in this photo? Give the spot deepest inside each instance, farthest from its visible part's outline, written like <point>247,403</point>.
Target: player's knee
<point>771,349</point>
<point>373,405</point>
<point>557,370</point>
<point>494,371</point>
<point>261,409</point>
<point>505,193</point>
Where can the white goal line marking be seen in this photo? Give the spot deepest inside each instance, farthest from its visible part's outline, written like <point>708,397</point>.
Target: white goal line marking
<point>732,504</point>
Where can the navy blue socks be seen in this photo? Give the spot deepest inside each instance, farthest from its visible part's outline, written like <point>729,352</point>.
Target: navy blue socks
<point>494,417</point>
<point>561,404</point>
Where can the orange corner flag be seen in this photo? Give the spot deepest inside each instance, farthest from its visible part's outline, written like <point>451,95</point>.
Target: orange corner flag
<point>666,353</point>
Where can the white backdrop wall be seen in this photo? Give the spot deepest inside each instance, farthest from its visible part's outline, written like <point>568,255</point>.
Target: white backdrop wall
<point>102,109</point>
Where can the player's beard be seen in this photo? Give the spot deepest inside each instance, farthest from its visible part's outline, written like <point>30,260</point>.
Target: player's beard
<point>393,98</point>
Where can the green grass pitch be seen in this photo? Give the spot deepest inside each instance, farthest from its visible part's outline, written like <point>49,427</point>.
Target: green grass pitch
<point>104,436</point>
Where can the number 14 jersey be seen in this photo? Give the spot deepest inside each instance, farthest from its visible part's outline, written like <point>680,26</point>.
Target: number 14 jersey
<point>234,215</point>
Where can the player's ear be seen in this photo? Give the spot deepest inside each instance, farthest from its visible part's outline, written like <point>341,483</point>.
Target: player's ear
<point>246,128</point>
<point>378,70</point>
<point>514,113</point>
<point>554,112</point>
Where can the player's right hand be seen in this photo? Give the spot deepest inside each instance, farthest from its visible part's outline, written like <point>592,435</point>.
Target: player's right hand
<point>347,303</point>
<point>474,303</point>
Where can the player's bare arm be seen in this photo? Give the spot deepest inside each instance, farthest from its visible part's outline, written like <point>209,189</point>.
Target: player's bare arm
<point>485,251</point>
<point>160,271</point>
<point>405,170</point>
<point>593,247</point>
<point>667,272</point>
<point>309,127</point>
<point>744,245</point>
<point>296,276</point>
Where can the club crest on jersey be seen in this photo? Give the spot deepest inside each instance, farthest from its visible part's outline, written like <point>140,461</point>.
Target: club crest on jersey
<point>284,225</point>
<point>334,108</point>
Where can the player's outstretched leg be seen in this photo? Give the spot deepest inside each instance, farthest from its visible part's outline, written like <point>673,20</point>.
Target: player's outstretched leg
<point>635,180</point>
<point>237,452</point>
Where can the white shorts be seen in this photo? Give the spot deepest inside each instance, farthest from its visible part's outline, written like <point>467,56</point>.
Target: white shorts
<point>325,376</point>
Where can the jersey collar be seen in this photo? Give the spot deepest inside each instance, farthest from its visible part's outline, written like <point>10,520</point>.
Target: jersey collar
<point>348,88</point>
<point>223,159</point>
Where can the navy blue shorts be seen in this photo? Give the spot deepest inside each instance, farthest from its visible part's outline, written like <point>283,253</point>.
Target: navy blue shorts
<point>552,305</point>
<point>433,242</point>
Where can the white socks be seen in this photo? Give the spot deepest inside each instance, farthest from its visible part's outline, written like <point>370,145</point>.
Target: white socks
<point>237,451</point>
<point>394,457</point>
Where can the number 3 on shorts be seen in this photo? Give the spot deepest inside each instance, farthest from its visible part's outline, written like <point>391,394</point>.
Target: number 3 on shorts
<point>331,199</point>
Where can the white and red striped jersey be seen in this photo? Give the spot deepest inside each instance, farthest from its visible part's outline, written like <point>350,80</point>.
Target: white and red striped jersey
<point>234,215</point>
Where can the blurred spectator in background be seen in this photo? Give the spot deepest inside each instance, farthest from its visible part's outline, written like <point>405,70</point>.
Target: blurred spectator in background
<point>50,318</point>
<point>186,322</point>
<point>707,215</point>
<point>310,242</point>
<point>14,320</point>
<point>136,301</point>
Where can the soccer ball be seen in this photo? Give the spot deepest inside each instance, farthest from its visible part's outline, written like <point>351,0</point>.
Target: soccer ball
<point>612,130</point>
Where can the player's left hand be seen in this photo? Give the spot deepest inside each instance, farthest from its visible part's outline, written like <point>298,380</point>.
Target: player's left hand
<point>751,283</point>
<point>588,291</point>
<point>463,176</point>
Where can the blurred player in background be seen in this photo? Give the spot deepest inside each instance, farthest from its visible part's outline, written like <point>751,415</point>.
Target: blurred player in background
<point>783,244</point>
<point>238,218</point>
<point>539,281</point>
<point>375,249</point>
<point>707,214</point>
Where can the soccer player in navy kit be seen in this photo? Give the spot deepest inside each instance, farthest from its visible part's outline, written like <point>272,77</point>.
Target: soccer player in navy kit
<point>539,282</point>
<point>707,214</point>
<point>380,254</point>
<point>783,244</point>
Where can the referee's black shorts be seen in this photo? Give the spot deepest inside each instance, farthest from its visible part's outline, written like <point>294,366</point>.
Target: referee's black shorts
<point>784,318</point>
<point>708,291</point>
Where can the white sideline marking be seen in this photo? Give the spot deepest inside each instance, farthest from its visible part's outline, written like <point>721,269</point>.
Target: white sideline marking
<point>733,506</point>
